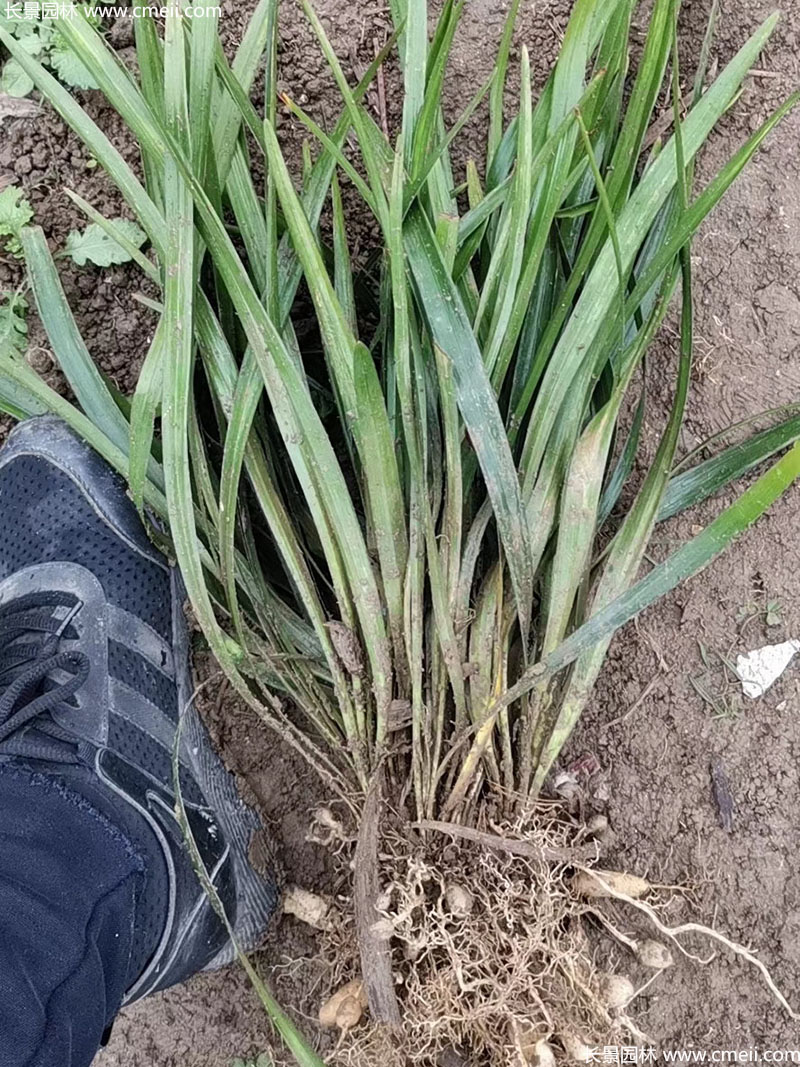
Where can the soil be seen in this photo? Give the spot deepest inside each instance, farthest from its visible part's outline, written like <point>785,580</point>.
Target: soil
<point>650,731</point>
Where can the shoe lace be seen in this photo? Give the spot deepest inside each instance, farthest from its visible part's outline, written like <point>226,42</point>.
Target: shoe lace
<point>38,676</point>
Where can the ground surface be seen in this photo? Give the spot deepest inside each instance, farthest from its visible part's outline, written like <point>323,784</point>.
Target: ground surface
<point>654,776</point>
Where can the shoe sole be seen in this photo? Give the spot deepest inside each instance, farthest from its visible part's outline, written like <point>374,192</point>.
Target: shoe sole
<point>256,898</point>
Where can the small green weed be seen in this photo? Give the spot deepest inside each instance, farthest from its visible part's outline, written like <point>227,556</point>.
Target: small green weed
<point>39,39</point>
<point>96,245</point>
<point>15,212</point>
<point>771,611</point>
<point>13,323</point>
<point>116,241</point>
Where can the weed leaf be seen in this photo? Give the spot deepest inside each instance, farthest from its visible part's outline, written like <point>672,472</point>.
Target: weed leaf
<point>97,246</point>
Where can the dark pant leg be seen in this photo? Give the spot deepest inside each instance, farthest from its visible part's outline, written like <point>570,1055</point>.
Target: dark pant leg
<point>69,884</point>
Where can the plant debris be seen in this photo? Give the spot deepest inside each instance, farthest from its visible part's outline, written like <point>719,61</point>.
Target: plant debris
<point>15,107</point>
<point>597,884</point>
<point>723,797</point>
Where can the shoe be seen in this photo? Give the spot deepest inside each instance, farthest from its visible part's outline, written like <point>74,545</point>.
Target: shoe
<point>94,672</point>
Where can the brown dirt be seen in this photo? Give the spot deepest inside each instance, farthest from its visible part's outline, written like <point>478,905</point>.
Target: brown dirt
<point>43,156</point>
<point>654,779</point>
<point>656,764</point>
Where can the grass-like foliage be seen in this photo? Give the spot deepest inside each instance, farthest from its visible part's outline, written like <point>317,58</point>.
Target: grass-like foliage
<point>405,542</point>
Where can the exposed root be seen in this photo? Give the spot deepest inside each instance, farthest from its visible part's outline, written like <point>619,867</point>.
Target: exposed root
<point>531,849</point>
<point>376,960</point>
<point>483,934</point>
<point>487,944</point>
<point>674,932</point>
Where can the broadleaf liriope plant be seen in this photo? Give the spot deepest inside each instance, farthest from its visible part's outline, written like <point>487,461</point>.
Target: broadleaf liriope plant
<point>407,544</point>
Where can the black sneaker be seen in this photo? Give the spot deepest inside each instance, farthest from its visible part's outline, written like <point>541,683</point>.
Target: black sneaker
<point>94,670</point>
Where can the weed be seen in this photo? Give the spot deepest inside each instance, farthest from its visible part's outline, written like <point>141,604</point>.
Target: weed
<point>38,38</point>
<point>102,246</point>
<point>13,323</point>
<point>15,212</point>
<point>770,610</point>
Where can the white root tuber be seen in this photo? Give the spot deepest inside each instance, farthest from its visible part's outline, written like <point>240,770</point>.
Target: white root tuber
<point>585,884</point>
<point>345,1008</point>
<point>653,954</point>
<point>459,900</point>
<point>531,1049</point>
<point>576,1048</point>
<point>543,1055</point>
<point>616,991</point>
<point>597,825</point>
<point>308,907</point>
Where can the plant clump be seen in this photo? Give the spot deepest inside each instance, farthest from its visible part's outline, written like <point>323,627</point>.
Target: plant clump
<point>412,534</point>
<point>410,537</point>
